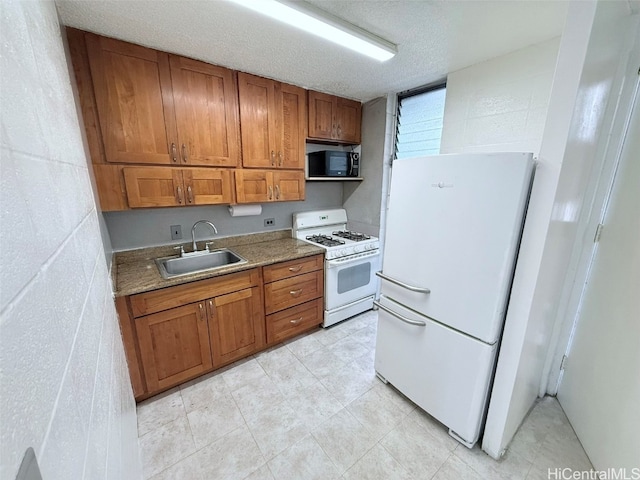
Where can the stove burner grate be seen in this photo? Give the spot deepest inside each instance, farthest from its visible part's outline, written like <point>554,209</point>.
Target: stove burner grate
<point>324,240</point>
<point>349,235</point>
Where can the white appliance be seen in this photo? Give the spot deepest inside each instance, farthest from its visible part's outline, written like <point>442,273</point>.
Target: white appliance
<point>453,229</point>
<point>351,262</point>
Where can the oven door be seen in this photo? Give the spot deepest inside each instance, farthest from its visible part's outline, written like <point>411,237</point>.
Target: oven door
<point>351,278</point>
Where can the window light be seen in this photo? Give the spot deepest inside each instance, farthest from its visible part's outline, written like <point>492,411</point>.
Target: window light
<point>318,22</point>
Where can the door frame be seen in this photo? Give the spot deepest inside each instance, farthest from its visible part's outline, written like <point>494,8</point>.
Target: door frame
<point>585,249</point>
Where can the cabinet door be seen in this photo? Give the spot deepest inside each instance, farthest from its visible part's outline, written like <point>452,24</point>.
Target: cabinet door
<point>254,186</point>
<point>174,345</point>
<point>348,120</point>
<point>261,131</point>
<point>288,185</point>
<point>206,100</point>
<point>236,325</point>
<point>208,186</point>
<point>132,87</point>
<point>292,105</point>
<point>154,186</point>
<point>321,115</point>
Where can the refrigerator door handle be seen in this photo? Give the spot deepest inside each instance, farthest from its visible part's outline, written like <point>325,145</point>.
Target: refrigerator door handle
<point>417,323</point>
<point>402,284</point>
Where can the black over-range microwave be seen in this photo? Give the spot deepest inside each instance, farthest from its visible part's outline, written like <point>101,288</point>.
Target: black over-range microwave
<point>333,163</point>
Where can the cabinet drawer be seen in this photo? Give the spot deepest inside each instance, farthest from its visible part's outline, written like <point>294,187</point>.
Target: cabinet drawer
<point>292,321</point>
<point>292,268</point>
<point>293,291</point>
<point>171,297</point>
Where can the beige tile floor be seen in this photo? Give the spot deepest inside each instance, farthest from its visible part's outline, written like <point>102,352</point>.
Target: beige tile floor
<point>314,409</point>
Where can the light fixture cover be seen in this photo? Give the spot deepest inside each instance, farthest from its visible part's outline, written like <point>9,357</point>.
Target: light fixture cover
<point>322,24</point>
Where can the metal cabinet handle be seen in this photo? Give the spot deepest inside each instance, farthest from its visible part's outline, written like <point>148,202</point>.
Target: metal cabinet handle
<point>295,293</point>
<point>277,192</point>
<point>179,197</point>
<point>270,192</point>
<point>184,153</point>
<point>339,131</point>
<point>417,323</point>
<point>402,284</point>
<point>279,159</point>
<point>211,309</point>
<point>174,153</point>
<point>295,322</point>
<point>273,158</point>
<point>295,269</point>
<point>189,194</point>
<point>201,311</point>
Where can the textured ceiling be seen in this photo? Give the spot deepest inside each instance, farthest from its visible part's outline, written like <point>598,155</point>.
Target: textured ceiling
<point>433,37</point>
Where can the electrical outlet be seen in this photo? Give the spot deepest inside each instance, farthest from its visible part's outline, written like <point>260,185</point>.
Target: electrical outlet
<point>269,222</point>
<point>176,232</point>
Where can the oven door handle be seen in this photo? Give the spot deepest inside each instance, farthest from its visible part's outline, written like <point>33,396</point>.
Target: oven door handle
<point>358,257</point>
<point>402,284</point>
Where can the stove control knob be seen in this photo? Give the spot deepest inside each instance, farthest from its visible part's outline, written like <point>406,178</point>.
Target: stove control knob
<point>344,252</point>
<point>357,249</point>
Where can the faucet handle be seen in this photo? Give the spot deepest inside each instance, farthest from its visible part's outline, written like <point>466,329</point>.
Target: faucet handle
<point>206,246</point>
<point>181,248</point>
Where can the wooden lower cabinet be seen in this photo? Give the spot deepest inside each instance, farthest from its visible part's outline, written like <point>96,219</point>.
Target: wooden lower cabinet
<point>236,325</point>
<point>293,297</point>
<point>178,333</point>
<point>292,321</point>
<point>174,345</point>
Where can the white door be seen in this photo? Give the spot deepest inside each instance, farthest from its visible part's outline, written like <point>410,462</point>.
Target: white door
<point>600,389</point>
<point>453,227</point>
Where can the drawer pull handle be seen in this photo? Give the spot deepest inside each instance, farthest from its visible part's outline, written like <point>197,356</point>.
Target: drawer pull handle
<point>295,269</point>
<point>295,293</point>
<point>295,322</point>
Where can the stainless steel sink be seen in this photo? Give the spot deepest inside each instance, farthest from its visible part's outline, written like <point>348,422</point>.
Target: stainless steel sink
<point>199,262</point>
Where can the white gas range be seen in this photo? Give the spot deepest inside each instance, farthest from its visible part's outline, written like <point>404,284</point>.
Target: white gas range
<point>351,260</point>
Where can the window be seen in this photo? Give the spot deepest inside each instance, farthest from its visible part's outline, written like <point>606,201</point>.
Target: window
<point>420,122</point>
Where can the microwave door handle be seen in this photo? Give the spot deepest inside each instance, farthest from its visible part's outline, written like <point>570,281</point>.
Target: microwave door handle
<point>350,165</point>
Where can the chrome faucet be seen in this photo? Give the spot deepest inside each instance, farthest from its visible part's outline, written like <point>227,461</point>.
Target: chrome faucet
<point>193,233</point>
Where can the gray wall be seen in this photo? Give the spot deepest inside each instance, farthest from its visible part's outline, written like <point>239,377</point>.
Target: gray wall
<point>151,226</point>
<point>362,200</point>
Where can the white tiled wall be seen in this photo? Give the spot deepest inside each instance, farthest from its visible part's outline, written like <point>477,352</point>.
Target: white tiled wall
<point>500,104</point>
<point>63,377</point>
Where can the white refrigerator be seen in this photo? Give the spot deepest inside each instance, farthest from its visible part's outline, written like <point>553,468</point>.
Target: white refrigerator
<point>452,235</point>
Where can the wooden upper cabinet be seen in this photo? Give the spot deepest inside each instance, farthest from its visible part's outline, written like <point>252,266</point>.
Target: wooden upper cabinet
<point>207,186</point>
<point>171,187</point>
<point>154,186</point>
<point>132,87</point>
<point>292,104</point>
<point>334,118</point>
<point>262,186</point>
<point>273,119</point>
<point>206,105</point>
<point>288,186</point>
<point>258,119</point>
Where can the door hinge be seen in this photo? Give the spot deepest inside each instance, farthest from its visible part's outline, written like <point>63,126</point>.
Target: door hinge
<point>596,237</point>
<point>563,362</point>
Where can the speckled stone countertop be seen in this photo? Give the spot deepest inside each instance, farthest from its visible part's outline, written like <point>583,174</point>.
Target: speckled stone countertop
<point>135,271</point>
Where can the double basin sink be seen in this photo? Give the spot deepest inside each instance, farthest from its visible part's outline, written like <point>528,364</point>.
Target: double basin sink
<point>197,262</point>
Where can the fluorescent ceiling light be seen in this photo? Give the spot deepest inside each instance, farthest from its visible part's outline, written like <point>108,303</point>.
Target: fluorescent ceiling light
<point>318,22</point>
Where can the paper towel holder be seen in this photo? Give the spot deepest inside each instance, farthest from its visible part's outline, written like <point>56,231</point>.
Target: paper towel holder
<point>245,210</point>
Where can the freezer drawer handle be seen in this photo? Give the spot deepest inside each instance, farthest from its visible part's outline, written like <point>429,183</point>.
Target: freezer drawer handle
<point>400,317</point>
<point>402,284</point>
